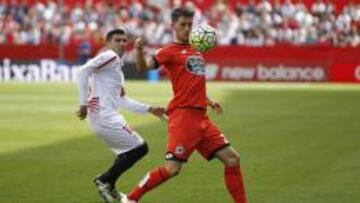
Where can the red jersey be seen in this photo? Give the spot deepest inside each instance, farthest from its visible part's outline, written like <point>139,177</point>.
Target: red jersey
<point>185,68</point>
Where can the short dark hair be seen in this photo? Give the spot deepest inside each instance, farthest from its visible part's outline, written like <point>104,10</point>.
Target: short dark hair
<point>113,32</point>
<point>181,11</point>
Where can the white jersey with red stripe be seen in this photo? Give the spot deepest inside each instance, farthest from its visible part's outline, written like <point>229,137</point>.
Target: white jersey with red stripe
<point>100,79</point>
<point>99,83</point>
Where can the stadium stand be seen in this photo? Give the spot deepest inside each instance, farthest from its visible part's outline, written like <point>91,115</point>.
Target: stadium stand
<point>247,23</point>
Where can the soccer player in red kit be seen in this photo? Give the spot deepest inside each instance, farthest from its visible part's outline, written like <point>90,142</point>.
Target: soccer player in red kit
<point>189,127</point>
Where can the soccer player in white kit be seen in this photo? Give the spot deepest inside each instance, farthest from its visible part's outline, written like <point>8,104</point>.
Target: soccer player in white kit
<point>101,91</point>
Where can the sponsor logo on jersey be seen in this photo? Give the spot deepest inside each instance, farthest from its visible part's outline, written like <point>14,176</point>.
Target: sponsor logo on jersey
<point>195,65</point>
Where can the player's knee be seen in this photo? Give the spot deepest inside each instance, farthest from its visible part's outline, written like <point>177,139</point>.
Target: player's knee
<point>232,159</point>
<point>172,171</point>
<point>173,168</point>
<point>144,149</point>
<point>137,153</point>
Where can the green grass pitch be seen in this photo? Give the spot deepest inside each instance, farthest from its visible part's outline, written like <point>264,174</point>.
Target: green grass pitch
<point>299,143</point>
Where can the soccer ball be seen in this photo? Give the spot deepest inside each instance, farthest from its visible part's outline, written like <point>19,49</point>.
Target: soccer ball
<point>203,38</point>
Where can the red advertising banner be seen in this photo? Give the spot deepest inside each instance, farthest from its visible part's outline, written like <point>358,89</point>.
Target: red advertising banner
<point>230,63</point>
<point>287,64</point>
<point>269,70</point>
<point>346,72</point>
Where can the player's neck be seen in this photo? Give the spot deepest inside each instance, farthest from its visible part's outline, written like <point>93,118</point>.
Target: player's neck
<point>176,41</point>
<point>119,53</point>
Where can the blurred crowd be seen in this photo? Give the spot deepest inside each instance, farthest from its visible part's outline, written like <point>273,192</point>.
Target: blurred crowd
<point>264,23</point>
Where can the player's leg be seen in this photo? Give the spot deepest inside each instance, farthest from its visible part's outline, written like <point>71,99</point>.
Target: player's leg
<point>176,156</point>
<point>182,140</point>
<point>129,148</point>
<point>155,178</point>
<point>122,163</point>
<point>233,176</point>
<point>214,144</point>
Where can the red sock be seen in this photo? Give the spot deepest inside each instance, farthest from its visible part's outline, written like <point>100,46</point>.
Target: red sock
<point>150,181</point>
<point>234,183</point>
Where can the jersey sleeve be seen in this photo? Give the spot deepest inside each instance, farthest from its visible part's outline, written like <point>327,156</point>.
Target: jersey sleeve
<point>86,70</point>
<point>133,105</point>
<point>162,57</point>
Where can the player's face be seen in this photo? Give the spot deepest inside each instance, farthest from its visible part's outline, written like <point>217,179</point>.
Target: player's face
<point>182,28</point>
<point>118,43</point>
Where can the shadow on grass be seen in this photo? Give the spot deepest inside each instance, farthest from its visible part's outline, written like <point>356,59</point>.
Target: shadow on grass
<point>63,172</point>
<point>272,130</point>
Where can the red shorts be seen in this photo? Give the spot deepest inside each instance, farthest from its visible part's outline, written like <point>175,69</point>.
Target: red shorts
<point>191,129</point>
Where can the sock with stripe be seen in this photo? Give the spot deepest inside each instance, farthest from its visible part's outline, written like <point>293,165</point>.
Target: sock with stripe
<point>152,179</point>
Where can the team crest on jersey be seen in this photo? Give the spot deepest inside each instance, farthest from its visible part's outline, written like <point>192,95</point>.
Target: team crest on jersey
<point>179,149</point>
<point>196,65</point>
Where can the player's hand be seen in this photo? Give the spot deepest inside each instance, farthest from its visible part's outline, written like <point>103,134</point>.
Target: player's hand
<point>215,106</point>
<point>139,43</point>
<point>82,112</point>
<point>159,112</point>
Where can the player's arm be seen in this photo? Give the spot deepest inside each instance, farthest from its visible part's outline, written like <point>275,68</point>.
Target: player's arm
<point>83,76</point>
<point>141,108</point>
<point>141,63</point>
<point>83,83</point>
<point>214,105</point>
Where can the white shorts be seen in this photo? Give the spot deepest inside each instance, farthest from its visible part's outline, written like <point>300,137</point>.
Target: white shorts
<point>115,132</point>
